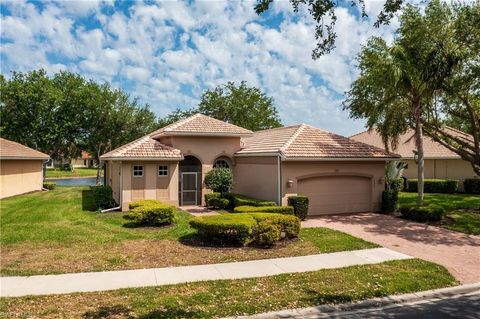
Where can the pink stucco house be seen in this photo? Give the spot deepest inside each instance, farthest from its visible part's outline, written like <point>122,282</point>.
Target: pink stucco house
<point>338,174</point>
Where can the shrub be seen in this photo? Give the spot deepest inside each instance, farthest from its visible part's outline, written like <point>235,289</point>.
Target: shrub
<point>218,203</point>
<point>227,228</point>
<point>389,201</point>
<point>422,213</point>
<point>300,206</point>
<point>209,196</point>
<point>49,185</point>
<point>219,180</point>
<point>266,234</point>
<point>264,209</point>
<point>289,224</point>
<point>472,185</point>
<point>241,200</point>
<point>434,185</point>
<point>103,196</point>
<point>152,215</point>
<point>143,202</point>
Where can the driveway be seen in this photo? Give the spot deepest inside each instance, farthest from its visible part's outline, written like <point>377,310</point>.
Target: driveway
<point>458,252</point>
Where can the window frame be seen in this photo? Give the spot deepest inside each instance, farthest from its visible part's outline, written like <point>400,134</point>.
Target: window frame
<point>221,160</point>
<point>163,170</point>
<point>135,169</point>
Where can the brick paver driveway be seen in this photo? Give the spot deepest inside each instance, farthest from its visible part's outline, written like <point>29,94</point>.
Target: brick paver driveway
<point>458,252</point>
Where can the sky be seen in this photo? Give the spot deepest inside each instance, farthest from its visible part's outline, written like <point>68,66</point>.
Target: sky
<point>167,53</point>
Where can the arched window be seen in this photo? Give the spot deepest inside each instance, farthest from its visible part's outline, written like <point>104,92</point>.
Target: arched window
<point>221,163</point>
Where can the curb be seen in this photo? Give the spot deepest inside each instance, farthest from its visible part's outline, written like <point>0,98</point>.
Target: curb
<point>325,310</point>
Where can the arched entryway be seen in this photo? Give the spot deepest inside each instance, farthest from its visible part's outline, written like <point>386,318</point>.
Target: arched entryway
<point>190,181</point>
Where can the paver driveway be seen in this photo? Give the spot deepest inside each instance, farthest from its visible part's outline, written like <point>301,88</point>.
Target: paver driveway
<point>458,252</point>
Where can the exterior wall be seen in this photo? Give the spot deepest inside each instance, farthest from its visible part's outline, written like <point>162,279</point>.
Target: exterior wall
<point>294,171</point>
<point>442,168</point>
<point>78,162</point>
<point>256,177</point>
<point>20,176</point>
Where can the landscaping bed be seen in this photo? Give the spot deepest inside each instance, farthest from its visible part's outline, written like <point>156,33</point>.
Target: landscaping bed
<point>58,232</point>
<point>462,210</point>
<point>239,297</point>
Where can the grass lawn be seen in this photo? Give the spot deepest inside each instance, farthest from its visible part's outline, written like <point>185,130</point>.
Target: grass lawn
<point>55,232</point>
<point>463,210</point>
<point>239,297</point>
<point>78,172</point>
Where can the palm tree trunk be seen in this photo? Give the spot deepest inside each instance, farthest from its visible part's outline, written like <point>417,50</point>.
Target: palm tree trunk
<point>420,157</point>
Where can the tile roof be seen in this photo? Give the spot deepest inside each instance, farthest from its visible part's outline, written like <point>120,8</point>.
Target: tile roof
<point>406,144</point>
<point>200,124</point>
<point>307,142</point>
<point>14,150</point>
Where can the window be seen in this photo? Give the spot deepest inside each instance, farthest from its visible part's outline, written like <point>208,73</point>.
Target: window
<point>137,170</point>
<point>84,162</point>
<point>221,163</point>
<point>163,170</point>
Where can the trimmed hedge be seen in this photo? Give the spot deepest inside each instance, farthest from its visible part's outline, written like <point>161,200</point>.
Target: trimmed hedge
<point>472,185</point>
<point>422,213</point>
<point>389,201</point>
<point>152,214</point>
<point>143,202</point>
<point>49,185</point>
<point>218,203</point>
<point>300,206</point>
<point>210,196</point>
<point>288,210</point>
<point>103,196</point>
<point>445,186</point>
<point>241,200</point>
<point>244,228</point>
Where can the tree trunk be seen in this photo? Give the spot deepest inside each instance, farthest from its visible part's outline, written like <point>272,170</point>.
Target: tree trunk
<point>99,170</point>
<point>419,144</point>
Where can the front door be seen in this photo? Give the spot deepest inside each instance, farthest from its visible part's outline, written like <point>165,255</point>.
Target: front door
<point>188,188</point>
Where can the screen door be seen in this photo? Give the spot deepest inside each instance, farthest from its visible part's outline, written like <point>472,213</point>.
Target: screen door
<point>189,188</point>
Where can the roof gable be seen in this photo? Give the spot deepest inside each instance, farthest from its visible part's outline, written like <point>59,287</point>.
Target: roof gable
<point>13,150</point>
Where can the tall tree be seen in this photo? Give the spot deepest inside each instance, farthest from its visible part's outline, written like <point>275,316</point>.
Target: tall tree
<point>323,13</point>
<point>241,105</point>
<point>397,83</point>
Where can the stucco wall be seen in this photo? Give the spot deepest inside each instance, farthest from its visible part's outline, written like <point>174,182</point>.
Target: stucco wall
<point>20,176</point>
<point>449,169</point>
<point>256,177</point>
<point>295,170</point>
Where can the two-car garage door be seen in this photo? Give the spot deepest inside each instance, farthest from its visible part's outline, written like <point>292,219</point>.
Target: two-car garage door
<point>337,194</point>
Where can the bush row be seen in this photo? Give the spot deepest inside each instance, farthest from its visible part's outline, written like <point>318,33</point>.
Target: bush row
<point>422,213</point>
<point>236,200</point>
<point>263,229</point>
<point>300,206</point>
<point>49,185</point>
<point>472,185</point>
<point>103,197</point>
<point>433,185</point>
<point>150,213</point>
<point>288,210</point>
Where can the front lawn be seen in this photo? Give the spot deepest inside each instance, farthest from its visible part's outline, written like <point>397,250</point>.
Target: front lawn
<point>463,210</point>
<point>239,297</point>
<point>77,172</point>
<point>55,232</point>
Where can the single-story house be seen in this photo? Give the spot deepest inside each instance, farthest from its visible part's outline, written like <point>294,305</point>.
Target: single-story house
<point>338,174</point>
<point>85,160</point>
<point>439,161</point>
<point>21,169</point>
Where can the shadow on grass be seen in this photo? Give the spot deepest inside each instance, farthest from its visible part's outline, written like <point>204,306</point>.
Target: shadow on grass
<point>120,311</point>
<point>117,311</point>
<point>88,203</point>
<point>193,239</point>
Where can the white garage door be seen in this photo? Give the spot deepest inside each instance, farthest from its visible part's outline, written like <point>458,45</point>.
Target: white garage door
<point>337,194</point>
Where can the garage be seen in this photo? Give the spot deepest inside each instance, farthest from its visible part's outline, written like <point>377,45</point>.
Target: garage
<point>337,194</point>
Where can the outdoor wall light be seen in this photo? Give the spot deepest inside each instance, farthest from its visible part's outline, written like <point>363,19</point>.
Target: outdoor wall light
<point>290,183</point>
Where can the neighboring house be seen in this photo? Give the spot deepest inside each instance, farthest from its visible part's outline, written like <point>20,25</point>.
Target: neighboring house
<point>85,160</point>
<point>440,162</point>
<point>339,175</point>
<point>21,169</point>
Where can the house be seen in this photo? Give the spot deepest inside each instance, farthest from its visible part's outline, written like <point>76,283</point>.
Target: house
<point>85,160</point>
<point>439,162</point>
<point>21,169</point>
<point>338,174</point>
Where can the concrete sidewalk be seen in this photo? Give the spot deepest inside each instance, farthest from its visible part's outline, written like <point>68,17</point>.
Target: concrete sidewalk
<point>100,281</point>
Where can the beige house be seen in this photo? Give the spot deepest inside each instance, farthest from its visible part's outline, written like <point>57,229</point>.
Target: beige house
<point>339,175</point>
<point>21,169</point>
<point>440,162</point>
<point>85,160</point>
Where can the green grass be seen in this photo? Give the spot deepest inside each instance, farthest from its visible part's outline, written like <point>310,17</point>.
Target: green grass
<point>463,210</point>
<point>77,172</point>
<point>240,297</point>
<point>55,232</point>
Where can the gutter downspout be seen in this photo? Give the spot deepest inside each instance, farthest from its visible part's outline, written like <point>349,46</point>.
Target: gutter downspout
<point>279,181</point>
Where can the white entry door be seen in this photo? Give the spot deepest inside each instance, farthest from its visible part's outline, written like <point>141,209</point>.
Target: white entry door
<point>189,188</point>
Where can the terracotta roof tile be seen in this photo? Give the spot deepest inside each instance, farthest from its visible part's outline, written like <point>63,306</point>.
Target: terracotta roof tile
<point>144,148</point>
<point>406,144</point>
<point>14,150</point>
<point>307,142</point>
<point>200,124</point>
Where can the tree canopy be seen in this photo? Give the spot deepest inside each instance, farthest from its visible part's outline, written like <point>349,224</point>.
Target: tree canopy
<point>241,105</point>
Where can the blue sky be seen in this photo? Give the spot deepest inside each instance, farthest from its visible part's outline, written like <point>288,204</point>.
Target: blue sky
<point>167,53</point>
